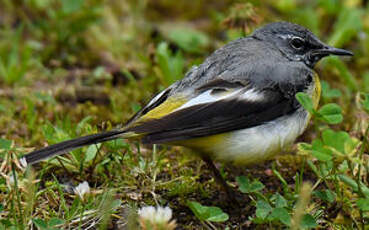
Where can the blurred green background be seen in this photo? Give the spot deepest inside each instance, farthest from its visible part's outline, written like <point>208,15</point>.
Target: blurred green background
<point>72,67</point>
<point>72,53</point>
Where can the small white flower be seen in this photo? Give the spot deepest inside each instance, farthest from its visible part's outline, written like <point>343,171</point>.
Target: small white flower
<point>82,189</point>
<point>158,215</point>
<point>23,162</point>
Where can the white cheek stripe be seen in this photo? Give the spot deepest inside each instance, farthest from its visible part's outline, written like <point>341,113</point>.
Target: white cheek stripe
<point>207,97</point>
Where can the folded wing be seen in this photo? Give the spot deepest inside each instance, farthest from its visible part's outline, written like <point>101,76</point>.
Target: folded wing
<point>216,110</point>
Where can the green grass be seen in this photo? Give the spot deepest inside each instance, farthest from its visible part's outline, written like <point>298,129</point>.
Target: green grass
<point>70,68</point>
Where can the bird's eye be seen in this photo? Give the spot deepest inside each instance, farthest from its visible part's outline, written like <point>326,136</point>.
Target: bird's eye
<point>297,43</point>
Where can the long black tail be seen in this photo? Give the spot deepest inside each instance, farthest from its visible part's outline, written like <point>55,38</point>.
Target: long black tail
<point>63,147</point>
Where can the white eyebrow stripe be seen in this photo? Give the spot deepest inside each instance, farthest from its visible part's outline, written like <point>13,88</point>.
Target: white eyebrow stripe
<point>207,97</point>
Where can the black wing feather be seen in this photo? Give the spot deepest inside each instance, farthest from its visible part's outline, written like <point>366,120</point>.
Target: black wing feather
<point>217,117</point>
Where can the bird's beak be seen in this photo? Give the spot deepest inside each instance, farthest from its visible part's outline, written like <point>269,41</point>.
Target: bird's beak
<point>329,50</point>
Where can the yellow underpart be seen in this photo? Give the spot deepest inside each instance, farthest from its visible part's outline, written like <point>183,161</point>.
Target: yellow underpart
<point>165,108</point>
<point>203,144</point>
<point>315,94</point>
<point>317,91</point>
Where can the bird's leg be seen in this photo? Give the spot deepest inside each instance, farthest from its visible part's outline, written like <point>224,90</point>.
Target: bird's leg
<point>219,179</point>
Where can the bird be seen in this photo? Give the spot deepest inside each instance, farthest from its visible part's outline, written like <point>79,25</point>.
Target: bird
<point>238,106</point>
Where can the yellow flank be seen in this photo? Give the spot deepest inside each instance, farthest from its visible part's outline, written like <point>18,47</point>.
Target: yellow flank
<point>315,94</point>
<point>164,109</point>
<point>316,91</point>
<point>203,144</point>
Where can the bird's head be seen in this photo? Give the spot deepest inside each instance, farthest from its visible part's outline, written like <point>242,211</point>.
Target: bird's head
<point>297,43</point>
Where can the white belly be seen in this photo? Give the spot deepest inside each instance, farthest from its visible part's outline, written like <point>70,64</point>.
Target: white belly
<point>261,142</point>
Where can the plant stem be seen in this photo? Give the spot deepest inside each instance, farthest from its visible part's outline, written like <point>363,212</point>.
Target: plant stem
<point>365,142</point>
<point>17,193</point>
<point>81,215</point>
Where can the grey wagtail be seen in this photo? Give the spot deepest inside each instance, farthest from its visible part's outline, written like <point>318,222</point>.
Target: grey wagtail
<point>238,106</point>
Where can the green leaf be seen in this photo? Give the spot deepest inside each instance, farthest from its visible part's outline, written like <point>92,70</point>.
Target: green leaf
<point>82,124</point>
<point>40,224</point>
<point>348,181</point>
<point>256,186</point>
<point>308,222</point>
<point>115,204</point>
<point>263,209</point>
<point>326,195</point>
<point>190,40</point>
<point>352,183</point>
<point>328,92</point>
<point>170,65</point>
<point>314,168</point>
<point>207,213</point>
<point>320,152</point>
<point>363,204</point>
<point>8,224</point>
<point>48,131</point>
<point>117,144</point>
<point>337,140</point>
<point>55,221</point>
<point>282,215</point>
<point>331,113</point>
<point>5,144</point>
<point>280,201</point>
<point>91,152</point>
<point>246,187</point>
<point>244,183</point>
<point>305,101</point>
